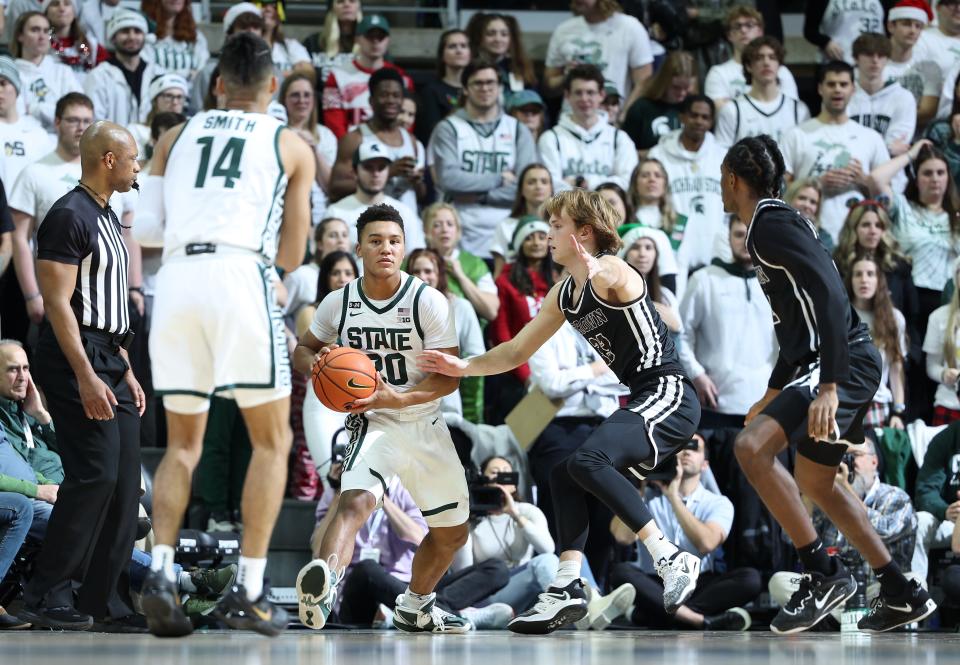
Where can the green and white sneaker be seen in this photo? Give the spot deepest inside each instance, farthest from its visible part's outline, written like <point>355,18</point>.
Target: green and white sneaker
<point>428,619</point>
<point>317,591</point>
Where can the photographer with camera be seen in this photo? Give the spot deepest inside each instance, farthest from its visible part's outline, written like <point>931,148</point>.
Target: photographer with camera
<point>696,520</point>
<point>890,513</point>
<point>507,529</point>
<point>382,562</point>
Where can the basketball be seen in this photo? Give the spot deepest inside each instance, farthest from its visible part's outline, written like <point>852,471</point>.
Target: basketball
<point>342,376</point>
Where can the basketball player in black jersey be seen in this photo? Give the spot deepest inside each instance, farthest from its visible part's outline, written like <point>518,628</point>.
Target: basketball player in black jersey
<point>821,387</point>
<point>607,302</point>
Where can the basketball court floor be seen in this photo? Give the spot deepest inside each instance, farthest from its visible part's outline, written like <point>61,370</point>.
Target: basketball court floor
<point>483,648</point>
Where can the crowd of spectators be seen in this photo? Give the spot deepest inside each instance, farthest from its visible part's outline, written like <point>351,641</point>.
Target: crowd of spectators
<point>639,107</point>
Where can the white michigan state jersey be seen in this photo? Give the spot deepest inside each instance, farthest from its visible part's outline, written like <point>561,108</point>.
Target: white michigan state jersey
<point>600,154</point>
<point>391,332</point>
<point>745,116</point>
<point>495,152</point>
<point>224,183</point>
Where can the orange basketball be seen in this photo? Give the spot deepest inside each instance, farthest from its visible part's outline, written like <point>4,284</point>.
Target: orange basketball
<point>342,376</point>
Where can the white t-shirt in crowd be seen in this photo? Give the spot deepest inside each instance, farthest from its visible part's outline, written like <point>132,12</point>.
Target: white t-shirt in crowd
<point>349,209</point>
<point>24,142</point>
<point>813,148</point>
<point>616,46</point>
<point>288,54</point>
<point>726,81</point>
<point>940,48</point>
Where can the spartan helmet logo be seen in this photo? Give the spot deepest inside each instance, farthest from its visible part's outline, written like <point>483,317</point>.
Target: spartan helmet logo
<point>660,126</point>
<point>698,205</point>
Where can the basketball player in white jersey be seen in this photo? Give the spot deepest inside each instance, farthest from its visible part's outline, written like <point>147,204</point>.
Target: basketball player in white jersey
<point>230,190</point>
<point>399,431</point>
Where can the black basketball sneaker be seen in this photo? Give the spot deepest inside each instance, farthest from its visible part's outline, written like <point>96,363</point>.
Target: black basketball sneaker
<point>810,604</point>
<point>160,601</point>
<point>555,608</point>
<point>262,616</point>
<point>887,613</point>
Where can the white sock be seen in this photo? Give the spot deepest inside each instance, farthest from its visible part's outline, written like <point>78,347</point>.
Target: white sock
<point>415,601</point>
<point>186,582</point>
<point>163,561</point>
<point>566,573</point>
<point>659,547</point>
<point>250,575</point>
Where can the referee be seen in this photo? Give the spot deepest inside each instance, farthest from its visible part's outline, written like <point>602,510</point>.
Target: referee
<point>96,402</point>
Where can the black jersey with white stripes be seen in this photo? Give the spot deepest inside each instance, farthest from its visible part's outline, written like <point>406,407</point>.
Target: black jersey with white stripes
<point>631,338</point>
<point>812,314</point>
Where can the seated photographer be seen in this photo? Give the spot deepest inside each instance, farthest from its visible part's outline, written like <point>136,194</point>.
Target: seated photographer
<point>937,496</point>
<point>567,368</point>
<point>697,520</point>
<point>512,531</point>
<point>888,509</point>
<point>383,560</point>
<point>516,533</point>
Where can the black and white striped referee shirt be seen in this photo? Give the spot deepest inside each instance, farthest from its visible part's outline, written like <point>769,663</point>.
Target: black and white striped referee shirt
<point>78,231</point>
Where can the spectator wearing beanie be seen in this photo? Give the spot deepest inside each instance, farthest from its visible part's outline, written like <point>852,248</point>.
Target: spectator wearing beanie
<point>166,93</point>
<point>120,87</point>
<point>27,140</point>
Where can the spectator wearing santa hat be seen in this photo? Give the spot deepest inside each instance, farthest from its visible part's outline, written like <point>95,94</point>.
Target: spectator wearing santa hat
<point>120,87</point>
<point>919,74</point>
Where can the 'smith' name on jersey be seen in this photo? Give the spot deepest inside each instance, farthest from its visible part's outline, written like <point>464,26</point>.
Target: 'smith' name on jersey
<point>480,161</point>
<point>230,122</point>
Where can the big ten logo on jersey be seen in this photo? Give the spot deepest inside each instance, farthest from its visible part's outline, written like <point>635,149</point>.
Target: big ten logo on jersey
<point>14,149</point>
<point>373,340</point>
<point>483,161</point>
<point>403,315</point>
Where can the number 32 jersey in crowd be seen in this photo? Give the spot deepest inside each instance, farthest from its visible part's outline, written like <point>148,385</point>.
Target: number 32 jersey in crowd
<point>391,332</point>
<point>224,183</point>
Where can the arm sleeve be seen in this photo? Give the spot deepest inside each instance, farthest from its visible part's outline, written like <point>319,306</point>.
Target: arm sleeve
<point>536,531</point>
<point>690,314</point>
<point>624,162</point>
<point>726,129</point>
<point>932,475</point>
<point>63,237</point>
<point>505,194</point>
<point>450,177</point>
<point>812,17</point>
<point>436,319</point>
<point>148,222</point>
<point>327,317</point>
<point>334,115</point>
<point>555,382</point>
<point>799,252</point>
<point>468,329</point>
<point>641,54</point>
<point>549,147</point>
<point>17,486</point>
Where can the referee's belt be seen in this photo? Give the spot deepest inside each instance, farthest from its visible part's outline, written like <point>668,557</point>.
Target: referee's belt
<point>116,340</point>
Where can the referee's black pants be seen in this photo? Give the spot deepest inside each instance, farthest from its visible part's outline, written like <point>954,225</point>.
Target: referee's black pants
<point>93,525</point>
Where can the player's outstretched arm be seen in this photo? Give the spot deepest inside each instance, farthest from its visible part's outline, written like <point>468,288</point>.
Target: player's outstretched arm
<point>433,387</point>
<point>299,164</point>
<point>503,357</point>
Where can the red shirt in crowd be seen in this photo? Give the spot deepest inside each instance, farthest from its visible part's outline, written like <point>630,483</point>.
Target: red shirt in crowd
<point>516,311</point>
<point>346,96</point>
